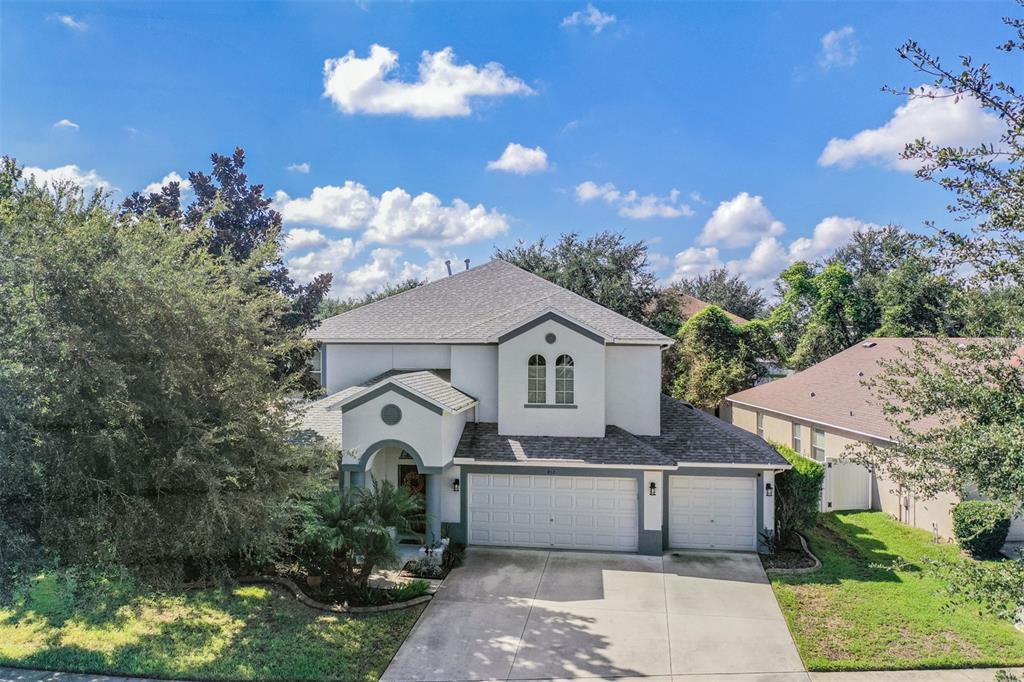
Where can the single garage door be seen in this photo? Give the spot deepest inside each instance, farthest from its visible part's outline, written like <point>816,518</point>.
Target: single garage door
<point>712,512</point>
<point>570,512</point>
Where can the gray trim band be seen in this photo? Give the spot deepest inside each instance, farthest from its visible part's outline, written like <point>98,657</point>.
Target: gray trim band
<point>582,331</point>
<point>384,388</point>
<point>554,406</point>
<point>360,465</point>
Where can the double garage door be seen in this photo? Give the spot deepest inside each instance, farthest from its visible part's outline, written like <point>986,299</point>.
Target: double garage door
<point>569,512</point>
<point>712,512</point>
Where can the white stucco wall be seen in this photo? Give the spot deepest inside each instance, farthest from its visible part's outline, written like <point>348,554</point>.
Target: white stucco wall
<point>633,388</point>
<point>587,419</point>
<point>475,371</point>
<point>451,509</point>
<point>653,504</point>
<point>419,427</point>
<point>451,431</point>
<point>351,363</point>
<point>768,503</point>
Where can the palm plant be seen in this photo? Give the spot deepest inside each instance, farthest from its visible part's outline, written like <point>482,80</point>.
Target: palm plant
<point>358,524</point>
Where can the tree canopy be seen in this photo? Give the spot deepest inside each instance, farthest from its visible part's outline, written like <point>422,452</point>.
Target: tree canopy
<point>604,268</point>
<point>715,357</point>
<point>143,399</point>
<point>728,291</point>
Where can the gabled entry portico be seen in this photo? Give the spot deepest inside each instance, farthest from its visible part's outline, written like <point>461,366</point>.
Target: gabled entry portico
<point>421,418</point>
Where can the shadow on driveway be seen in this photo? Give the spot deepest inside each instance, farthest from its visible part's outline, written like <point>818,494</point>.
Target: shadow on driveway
<point>527,614</point>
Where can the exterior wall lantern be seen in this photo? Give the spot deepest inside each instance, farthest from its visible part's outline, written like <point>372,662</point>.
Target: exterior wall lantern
<point>768,488</point>
<point>652,490</point>
<point>455,484</point>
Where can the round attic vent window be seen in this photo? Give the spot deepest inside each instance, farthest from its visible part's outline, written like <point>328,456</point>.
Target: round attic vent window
<point>550,338</point>
<point>391,414</point>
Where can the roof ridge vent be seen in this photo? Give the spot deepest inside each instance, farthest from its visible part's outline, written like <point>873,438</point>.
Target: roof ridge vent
<point>869,344</point>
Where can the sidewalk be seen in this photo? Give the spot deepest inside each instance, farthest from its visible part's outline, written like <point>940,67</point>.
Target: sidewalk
<point>961,675</point>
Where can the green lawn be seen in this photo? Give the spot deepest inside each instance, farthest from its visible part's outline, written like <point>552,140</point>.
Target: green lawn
<point>249,632</point>
<point>850,616</point>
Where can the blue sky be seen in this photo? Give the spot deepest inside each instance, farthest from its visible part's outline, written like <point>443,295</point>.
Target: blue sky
<point>718,116</point>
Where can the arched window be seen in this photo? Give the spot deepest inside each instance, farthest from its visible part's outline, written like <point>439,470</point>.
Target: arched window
<point>564,380</point>
<point>537,380</point>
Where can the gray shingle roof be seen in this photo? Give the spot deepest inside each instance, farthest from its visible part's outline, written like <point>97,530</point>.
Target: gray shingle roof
<point>833,392</point>
<point>317,421</point>
<point>688,436</point>
<point>475,306</point>
<point>481,442</point>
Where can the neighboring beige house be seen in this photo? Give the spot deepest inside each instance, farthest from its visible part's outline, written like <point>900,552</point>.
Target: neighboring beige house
<point>823,410</point>
<point>688,306</point>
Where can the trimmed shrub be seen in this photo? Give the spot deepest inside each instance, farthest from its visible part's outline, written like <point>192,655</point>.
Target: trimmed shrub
<point>797,494</point>
<point>981,527</point>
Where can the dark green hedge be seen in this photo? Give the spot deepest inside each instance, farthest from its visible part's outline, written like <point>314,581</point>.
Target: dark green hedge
<point>981,527</point>
<point>797,494</point>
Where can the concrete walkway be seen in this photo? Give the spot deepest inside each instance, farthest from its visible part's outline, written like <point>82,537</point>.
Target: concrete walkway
<point>973,675</point>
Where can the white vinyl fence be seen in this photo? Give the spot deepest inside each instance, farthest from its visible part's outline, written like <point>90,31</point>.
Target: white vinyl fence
<point>847,486</point>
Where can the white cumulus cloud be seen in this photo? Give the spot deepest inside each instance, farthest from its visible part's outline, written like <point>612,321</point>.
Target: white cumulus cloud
<point>693,261</point>
<point>632,204</point>
<point>740,221</point>
<point>360,85</point>
<point>87,180</point>
<point>71,22</point>
<point>301,238</point>
<point>347,207</point>
<point>299,168</point>
<point>331,258</point>
<point>184,185</point>
<point>520,160</point>
<point>770,256</point>
<point>66,123</point>
<point>944,120</point>
<point>395,217</point>
<point>425,221</point>
<point>838,48</point>
<point>383,266</point>
<point>591,16</point>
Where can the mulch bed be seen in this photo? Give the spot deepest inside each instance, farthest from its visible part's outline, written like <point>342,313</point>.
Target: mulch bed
<point>788,557</point>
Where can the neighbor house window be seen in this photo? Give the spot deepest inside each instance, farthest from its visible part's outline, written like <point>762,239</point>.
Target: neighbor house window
<point>760,424</point>
<point>798,438</point>
<point>316,366</point>
<point>536,380</point>
<point>564,380</point>
<point>818,444</point>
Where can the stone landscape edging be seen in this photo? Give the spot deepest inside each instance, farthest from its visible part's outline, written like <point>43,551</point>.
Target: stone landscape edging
<point>281,581</point>
<point>798,571</point>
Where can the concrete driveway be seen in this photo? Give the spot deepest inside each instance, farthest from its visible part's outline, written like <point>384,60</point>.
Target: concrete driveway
<point>538,615</point>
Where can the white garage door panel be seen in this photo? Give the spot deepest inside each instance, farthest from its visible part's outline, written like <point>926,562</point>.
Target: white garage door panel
<point>571,512</point>
<point>712,512</point>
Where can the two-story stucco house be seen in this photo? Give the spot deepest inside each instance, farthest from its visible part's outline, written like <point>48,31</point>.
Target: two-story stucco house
<point>532,417</point>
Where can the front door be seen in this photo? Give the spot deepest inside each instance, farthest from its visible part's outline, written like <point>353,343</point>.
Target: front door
<point>416,483</point>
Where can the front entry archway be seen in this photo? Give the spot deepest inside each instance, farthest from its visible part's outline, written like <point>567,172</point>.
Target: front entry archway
<point>400,464</point>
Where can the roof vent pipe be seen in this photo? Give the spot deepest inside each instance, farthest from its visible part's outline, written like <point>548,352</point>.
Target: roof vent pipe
<point>448,264</point>
<point>467,263</point>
